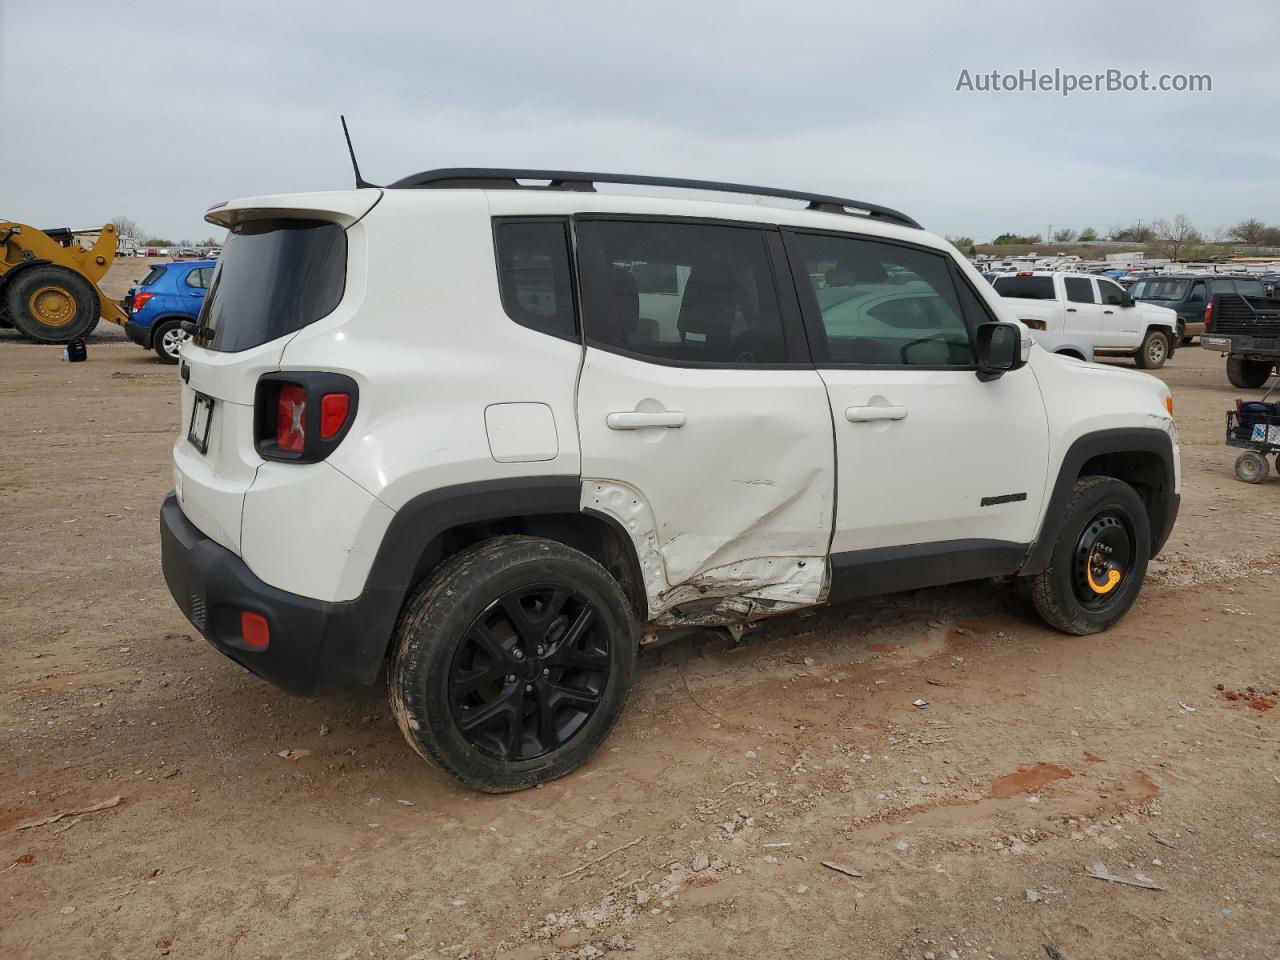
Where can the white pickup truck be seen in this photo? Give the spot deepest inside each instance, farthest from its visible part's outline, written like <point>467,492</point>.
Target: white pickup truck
<point>1095,308</point>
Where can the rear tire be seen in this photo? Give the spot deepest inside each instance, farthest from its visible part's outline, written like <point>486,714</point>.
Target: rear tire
<point>512,662</point>
<point>51,304</point>
<point>166,339</point>
<point>1099,560</point>
<point>1252,467</point>
<point>1248,374</point>
<point>1154,350</point>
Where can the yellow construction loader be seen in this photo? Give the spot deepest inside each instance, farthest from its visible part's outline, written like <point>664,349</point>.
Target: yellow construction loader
<point>49,283</point>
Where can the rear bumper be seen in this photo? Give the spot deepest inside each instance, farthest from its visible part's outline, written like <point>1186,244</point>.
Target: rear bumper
<point>314,645</point>
<point>138,333</point>
<point>1264,347</point>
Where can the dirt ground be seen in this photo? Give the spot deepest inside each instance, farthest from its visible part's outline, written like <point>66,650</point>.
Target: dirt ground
<point>705,826</point>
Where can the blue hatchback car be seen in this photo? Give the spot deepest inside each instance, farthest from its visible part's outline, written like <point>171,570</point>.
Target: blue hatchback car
<point>168,295</point>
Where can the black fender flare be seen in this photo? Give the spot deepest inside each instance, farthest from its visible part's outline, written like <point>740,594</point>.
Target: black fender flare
<point>1162,505</point>
<point>405,554</point>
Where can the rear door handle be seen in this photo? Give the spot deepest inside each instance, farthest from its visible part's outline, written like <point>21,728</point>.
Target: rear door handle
<point>634,420</point>
<point>1108,312</point>
<point>867,414</point>
<point>1071,309</point>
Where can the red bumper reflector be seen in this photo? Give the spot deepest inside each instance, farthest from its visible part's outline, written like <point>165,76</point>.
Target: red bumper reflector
<point>255,630</point>
<point>333,414</point>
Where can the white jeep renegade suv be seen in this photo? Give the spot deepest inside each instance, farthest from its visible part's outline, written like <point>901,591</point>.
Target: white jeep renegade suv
<point>481,431</point>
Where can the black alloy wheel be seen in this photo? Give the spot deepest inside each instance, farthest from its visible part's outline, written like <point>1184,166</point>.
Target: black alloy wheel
<point>529,672</point>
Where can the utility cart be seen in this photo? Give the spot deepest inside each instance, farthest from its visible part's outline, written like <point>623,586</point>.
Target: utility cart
<point>1255,425</point>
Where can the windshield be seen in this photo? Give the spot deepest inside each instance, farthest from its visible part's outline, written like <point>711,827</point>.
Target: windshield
<point>274,277</point>
<point>1160,289</point>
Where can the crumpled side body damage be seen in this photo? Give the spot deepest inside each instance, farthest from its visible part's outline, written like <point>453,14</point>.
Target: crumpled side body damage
<point>711,593</point>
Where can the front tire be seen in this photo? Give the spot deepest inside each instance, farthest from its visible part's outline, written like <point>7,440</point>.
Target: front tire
<point>1247,374</point>
<point>1098,561</point>
<point>51,304</point>
<point>1154,350</point>
<point>512,663</point>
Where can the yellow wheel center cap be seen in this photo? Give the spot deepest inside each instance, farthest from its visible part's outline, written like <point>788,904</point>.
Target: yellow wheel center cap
<point>52,306</point>
<point>1112,578</point>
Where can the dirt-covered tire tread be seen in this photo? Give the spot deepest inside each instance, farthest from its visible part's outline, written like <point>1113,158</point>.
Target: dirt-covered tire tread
<point>426,614</point>
<point>18,289</point>
<point>1143,357</point>
<point>1048,595</point>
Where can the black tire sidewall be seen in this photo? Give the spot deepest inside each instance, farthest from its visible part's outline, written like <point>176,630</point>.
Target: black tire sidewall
<point>1247,374</point>
<point>1110,494</point>
<point>441,611</point>
<point>87,305</point>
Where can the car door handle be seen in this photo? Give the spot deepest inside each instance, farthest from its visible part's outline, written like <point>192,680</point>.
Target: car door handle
<point>1071,309</point>
<point>635,420</point>
<point>1108,311</point>
<point>867,414</point>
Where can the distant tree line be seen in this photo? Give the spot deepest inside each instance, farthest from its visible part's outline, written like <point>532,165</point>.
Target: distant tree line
<point>1174,238</point>
<point>130,229</point>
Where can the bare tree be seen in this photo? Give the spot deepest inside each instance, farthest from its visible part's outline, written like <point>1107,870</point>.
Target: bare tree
<point>126,227</point>
<point>1177,235</point>
<point>1249,231</point>
<point>1065,235</point>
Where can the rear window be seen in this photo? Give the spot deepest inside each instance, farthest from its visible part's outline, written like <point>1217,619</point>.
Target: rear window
<point>1246,288</point>
<point>1025,288</point>
<point>152,277</point>
<point>274,277</point>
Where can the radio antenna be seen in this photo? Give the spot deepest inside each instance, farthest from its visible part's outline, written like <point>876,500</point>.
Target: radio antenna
<point>360,181</point>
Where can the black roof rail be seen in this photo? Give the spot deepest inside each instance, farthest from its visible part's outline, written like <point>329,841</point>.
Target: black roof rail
<point>497,178</point>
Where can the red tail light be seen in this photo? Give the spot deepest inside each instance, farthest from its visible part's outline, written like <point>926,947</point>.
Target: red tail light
<point>1208,315</point>
<point>333,414</point>
<point>302,416</point>
<point>139,301</point>
<point>291,418</point>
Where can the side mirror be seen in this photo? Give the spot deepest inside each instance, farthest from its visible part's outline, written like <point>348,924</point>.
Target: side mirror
<point>998,346</point>
<point>1127,300</point>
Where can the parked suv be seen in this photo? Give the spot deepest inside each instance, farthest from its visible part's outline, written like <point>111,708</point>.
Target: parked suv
<point>481,437</point>
<point>1188,295</point>
<point>168,295</point>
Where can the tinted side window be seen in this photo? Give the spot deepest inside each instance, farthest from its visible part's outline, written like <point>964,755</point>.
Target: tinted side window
<point>1079,289</point>
<point>882,304</point>
<point>1110,292</point>
<point>680,292</point>
<point>1026,288</point>
<point>534,275</point>
<point>1197,294</point>
<point>1246,288</point>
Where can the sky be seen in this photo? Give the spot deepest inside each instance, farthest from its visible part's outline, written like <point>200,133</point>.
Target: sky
<point>155,111</point>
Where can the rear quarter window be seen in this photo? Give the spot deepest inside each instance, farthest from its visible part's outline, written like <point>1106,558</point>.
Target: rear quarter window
<point>153,276</point>
<point>274,278</point>
<point>1026,288</point>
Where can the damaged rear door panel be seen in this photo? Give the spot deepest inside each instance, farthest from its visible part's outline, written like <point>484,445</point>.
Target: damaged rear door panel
<point>704,432</point>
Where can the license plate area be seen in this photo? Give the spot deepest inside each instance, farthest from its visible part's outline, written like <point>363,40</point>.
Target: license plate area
<point>201,421</point>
